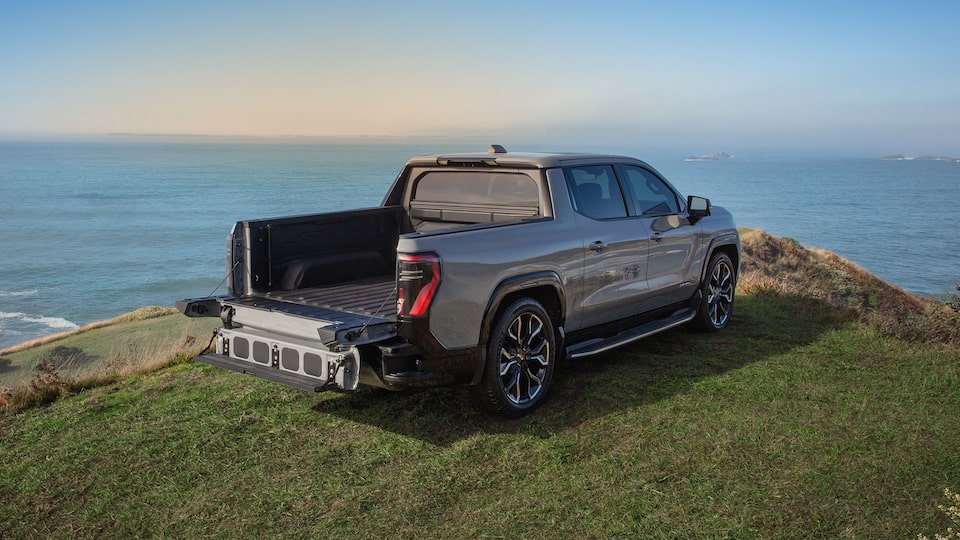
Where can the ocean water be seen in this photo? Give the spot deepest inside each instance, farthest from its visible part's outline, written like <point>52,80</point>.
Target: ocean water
<point>92,229</point>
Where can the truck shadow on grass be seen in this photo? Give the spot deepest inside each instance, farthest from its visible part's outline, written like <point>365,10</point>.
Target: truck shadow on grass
<point>764,326</point>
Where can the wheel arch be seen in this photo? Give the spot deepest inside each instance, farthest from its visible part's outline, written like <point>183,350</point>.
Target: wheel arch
<point>727,244</point>
<point>544,287</point>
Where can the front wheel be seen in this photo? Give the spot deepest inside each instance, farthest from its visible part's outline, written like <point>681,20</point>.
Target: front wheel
<point>717,291</point>
<point>521,354</point>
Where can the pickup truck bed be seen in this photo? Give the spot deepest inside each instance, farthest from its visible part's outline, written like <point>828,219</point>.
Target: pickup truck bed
<point>344,307</point>
<point>360,299</point>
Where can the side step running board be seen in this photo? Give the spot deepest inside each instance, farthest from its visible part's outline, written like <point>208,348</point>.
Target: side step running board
<point>599,345</point>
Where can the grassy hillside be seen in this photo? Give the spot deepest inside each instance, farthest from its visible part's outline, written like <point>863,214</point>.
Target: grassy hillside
<point>97,353</point>
<point>812,415</point>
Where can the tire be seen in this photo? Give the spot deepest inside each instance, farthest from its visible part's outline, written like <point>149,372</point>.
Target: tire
<point>717,290</point>
<point>521,355</point>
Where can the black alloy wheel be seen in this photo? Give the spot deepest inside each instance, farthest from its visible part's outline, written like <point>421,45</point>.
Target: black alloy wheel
<point>718,291</point>
<point>521,354</point>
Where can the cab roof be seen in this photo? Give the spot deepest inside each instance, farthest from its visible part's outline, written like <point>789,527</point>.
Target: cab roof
<point>497,156</point>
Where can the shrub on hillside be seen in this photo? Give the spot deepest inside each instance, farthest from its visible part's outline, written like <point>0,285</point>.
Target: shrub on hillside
<point>953,299</point>
<point>46,385</point>
<point>782,265</point>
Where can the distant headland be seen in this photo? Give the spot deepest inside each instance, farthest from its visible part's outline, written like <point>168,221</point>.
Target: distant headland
<point>901,157</point>
<point>713,157</point>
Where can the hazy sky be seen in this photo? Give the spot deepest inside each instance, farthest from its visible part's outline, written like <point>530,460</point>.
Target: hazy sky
<point>856,74</point>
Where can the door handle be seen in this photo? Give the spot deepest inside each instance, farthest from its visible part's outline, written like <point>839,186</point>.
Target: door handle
<point>657,237</point>
<point>598,246</point>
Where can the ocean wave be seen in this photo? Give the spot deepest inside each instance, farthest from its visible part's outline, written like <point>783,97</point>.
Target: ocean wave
<point>17,294</point>
<point>58,323</point>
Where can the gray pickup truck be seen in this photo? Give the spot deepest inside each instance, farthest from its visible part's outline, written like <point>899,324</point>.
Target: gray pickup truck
<point>481,269</point>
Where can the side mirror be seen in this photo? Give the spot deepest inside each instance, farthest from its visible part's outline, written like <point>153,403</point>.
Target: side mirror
<point>697,207</point>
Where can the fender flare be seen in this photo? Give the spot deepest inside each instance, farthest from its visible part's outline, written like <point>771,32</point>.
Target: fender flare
<point>727,239</point>
<point>513,285</point>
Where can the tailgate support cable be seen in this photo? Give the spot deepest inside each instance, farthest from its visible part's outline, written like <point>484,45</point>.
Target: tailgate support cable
<point>230,271</point>
<point>377,312</point>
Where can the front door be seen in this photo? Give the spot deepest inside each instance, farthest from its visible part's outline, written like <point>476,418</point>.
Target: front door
<point>673,239</point>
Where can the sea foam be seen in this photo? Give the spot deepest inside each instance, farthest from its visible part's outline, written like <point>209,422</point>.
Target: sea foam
<point>58,323</point>
<point>19,294</point>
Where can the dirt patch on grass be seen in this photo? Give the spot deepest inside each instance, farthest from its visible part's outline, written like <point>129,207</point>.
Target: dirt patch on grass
<point>68,357</point>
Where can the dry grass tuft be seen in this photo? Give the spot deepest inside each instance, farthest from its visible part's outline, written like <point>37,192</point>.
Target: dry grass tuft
<point>149,356</point>
<point>783,266</point>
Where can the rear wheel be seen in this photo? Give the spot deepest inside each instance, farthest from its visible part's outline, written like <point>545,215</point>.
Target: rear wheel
<point>717,290</point>
<point>521,354</point>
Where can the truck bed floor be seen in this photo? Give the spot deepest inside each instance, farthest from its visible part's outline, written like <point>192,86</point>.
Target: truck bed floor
<point>364,298</point>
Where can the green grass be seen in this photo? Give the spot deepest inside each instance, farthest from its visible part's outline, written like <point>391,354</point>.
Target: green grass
<point>795,422</point>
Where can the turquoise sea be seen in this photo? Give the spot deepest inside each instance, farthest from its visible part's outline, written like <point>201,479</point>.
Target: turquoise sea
<point>90,229</point>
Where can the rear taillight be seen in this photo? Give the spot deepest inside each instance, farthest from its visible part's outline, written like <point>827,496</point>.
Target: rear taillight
<point>418,276</point>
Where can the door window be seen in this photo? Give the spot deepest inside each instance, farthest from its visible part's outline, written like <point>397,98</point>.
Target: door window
<point>653,196</point>
<point>596,193</point>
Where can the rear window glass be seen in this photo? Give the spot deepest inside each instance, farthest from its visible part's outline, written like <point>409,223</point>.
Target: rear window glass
<point>476,187</point>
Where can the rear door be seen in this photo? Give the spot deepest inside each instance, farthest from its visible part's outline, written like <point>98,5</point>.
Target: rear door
<point>615,246</point>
